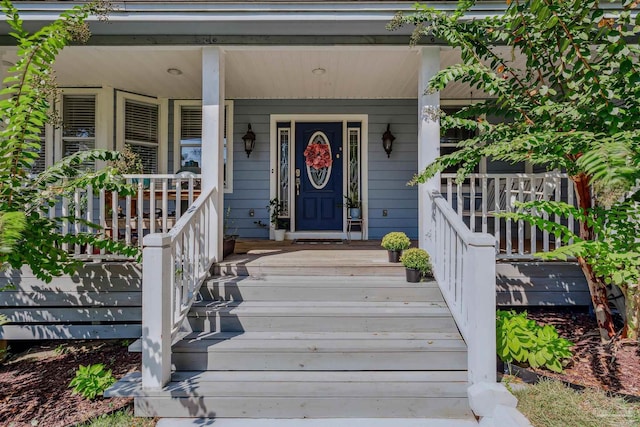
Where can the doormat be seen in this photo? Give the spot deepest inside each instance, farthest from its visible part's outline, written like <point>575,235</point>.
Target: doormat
<point>318,242</point>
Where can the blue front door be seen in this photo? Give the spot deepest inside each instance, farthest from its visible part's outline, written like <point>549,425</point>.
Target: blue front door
<point>319,169</point>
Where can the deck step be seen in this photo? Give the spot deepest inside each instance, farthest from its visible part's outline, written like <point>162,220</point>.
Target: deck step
<point>321,352</point>
<point>317,288</point>
<point>321,316</point>
<point>304,395</point>
<point>310,263</point>
<point>327,347</point>
<point>307,422</point>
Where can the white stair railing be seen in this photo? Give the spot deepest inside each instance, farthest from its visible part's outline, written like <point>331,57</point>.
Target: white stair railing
<point>174,266</point>
<point>481,196</point>
<point>464,266</point>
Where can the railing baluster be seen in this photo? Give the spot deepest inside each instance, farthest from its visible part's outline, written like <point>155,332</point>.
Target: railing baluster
<point>165,205</point>
<point>152,206</point>
<point>532,197</point>
<point>114,216</point>
<point>496,219</point>
<point>77,212</point>
<point>472,203</point>
<point>508,225</point>
<point>178,184</point>
<point>545,214</point>
<point>65,221</point>
<point>557,217</point>
<point>89,191</point>
<point>103,216</point>
<point>459,198</point>
<point>571,202</point>
<point>521,184</point>
<point>127,216</point>
<point>140,211</point>
<point>484,204</point>
<point>191,183</point>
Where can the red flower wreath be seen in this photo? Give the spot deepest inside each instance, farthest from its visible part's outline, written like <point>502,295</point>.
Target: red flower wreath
<point>318,156</point>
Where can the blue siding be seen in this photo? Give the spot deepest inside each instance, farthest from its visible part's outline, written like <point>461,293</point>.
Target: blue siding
<point>387,177</point>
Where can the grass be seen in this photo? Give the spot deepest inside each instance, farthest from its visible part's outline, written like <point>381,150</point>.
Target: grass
<point>121,418</point>
<point>552,404</point>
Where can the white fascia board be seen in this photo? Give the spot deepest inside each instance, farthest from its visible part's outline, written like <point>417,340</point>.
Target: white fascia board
<point>251,11</point>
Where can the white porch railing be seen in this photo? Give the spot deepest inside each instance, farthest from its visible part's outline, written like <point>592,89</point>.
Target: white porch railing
<point>175,265</point>
<point>465,268</point>
<point>481,196</point>
<point>160,201</point>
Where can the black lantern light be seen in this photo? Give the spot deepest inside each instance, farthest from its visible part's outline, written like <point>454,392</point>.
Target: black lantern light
<point>387,141</point>
<point>249,139</point>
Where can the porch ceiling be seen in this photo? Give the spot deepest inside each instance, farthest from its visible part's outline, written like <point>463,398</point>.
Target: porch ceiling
<point>253,73</point>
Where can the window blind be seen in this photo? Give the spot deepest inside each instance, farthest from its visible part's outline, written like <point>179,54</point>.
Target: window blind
<point>141,132</point>
<point>79,116</point>
<point>191,123</point>
<point>140,122</point>
<point>78,125</point>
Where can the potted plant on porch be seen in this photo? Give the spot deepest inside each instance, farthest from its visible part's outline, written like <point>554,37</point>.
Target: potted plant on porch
<point>395,242</point>
<point>276,208</point>
<point>229,239</point>
<point>416,263</point>
<point>353,204</point>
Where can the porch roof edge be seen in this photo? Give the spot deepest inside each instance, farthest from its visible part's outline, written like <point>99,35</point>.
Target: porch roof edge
<point>199,11</point>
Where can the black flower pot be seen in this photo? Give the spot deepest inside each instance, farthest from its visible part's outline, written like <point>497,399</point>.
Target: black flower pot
<point>394,256</point>
<point>413,275</point>
<point>228,247</point>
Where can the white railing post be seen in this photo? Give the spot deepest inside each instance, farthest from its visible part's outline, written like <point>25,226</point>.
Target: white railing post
<point>480,266</point>
<point>156,310</point>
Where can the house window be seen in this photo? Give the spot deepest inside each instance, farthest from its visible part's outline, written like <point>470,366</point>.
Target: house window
<point>190,137</point>
<point>141,125</point>
<point>188,134</point>
<point>78,124</point>
<point>450,139</point>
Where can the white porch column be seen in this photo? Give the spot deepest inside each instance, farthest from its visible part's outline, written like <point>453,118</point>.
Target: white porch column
<point>428,140</point>
<point>213,138</point>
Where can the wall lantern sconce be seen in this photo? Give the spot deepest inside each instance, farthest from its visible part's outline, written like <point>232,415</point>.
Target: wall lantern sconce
<point>249,139</point>
<point>387,141</point>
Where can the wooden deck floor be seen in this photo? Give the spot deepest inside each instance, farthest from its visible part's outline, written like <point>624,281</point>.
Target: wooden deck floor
<point>256,257</point>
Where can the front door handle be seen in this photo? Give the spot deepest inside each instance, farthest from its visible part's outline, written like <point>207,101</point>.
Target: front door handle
<point>297,186</point>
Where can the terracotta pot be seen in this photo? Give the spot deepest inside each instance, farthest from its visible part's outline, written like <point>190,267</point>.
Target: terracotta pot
<point>394,256</point>
<point>413,276</point>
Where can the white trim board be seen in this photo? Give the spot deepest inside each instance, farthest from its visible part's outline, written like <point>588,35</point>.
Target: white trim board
<point>364,167</point>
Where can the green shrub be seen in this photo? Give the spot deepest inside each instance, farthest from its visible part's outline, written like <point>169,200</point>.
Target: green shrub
<point>396,241</point>
<point>523,340</point>
<point>416,259</point>
<point>92,380</point>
